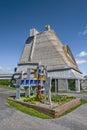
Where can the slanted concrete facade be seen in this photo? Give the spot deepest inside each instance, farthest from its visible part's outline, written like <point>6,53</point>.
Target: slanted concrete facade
<point>45,48</point>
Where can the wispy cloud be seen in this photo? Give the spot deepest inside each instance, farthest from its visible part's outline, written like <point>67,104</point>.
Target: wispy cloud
<point>1,68</point>
<point>79,57</point>
<point>84,32</point>
<point>6,70</point>
<point>81,61</point>
<point>82,54</point>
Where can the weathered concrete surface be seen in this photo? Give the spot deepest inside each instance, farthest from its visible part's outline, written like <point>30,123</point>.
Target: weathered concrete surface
<point>11,119</point>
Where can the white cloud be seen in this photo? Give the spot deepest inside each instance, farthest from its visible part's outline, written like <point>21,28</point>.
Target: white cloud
<point>81,61</point>
<point>82,54</point>
<point>9,69</point>
<point>6,70</point>
<point>1,68</point>
<point>84,32</point>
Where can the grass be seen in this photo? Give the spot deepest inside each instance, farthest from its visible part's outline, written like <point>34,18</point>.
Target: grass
<point>38,114</point>
<point>28,111</point>
<point>83,101</point>
<point>7,87</point>
<point>84,91</point>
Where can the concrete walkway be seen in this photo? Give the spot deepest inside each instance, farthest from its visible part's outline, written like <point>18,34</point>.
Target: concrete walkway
<point>11,119</point>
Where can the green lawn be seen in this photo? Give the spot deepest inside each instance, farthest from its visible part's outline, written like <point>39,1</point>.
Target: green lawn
<point>83,101</point>
<point>27,110</point>
<point>7,87</point>
<point>36,113</point>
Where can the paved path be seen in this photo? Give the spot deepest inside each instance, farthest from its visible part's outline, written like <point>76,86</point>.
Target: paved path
<point>11,119</point>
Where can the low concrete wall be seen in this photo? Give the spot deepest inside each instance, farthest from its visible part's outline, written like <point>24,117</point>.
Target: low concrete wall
<point>51,112</point>
<point>65,107</point>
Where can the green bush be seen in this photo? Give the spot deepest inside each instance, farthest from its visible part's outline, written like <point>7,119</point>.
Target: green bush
<point>61,99</point>
<point>40,97</point>
<point>5,82</point>
<point>30,99</point>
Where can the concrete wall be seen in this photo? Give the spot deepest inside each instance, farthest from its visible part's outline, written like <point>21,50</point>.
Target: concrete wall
<point>5,76</point>
<point>84,84</point>
<point>24,67</point>
<point>62,85</point>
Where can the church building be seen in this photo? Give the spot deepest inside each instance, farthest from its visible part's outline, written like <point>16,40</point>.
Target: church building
<point>45,48</point>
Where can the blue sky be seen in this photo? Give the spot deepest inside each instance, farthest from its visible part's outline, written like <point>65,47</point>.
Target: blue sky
<point>67,17</point>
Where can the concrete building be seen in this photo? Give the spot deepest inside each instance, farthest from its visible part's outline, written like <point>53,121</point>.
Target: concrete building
<point>47,49</point>
<point>84,83</point>
<point>5,76</point>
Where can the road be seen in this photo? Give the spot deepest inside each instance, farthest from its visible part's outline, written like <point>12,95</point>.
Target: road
<point>11,119</point>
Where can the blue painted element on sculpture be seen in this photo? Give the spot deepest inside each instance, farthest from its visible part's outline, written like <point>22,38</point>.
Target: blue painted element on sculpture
<point>32,83</point>
<point>22,83</point>
<point>27,82</point>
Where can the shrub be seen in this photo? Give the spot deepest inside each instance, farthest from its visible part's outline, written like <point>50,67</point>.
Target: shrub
<point>30,99</point>
<point>5,82</point>
<point>61,99</point>
<point>40,97</point>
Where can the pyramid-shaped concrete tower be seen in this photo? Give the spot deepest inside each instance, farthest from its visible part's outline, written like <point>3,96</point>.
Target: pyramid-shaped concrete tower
<point>47,49</point>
